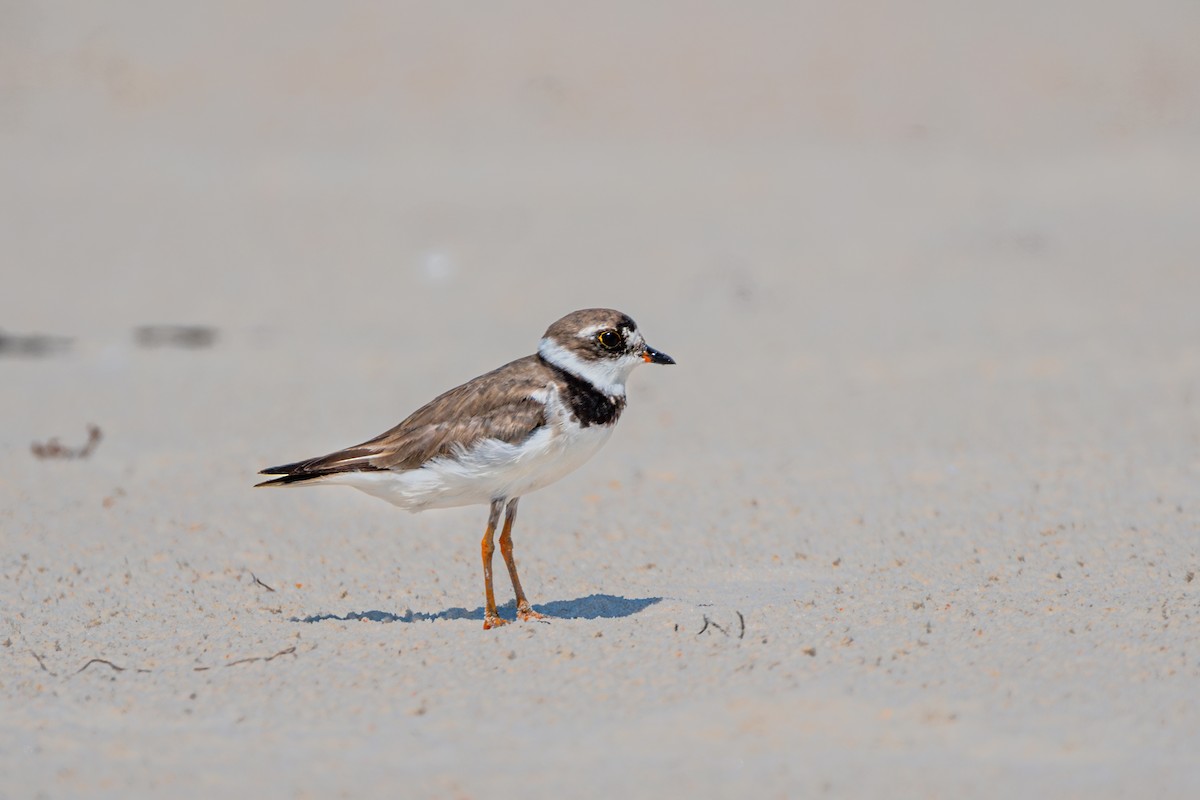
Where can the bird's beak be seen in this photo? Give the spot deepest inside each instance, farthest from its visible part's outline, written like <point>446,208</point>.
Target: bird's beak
<point>652,356</point>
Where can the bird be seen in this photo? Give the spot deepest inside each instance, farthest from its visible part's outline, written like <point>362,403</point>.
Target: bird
<point>499,436</point>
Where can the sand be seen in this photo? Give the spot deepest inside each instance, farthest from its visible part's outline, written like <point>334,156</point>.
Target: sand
<point>916,514</point>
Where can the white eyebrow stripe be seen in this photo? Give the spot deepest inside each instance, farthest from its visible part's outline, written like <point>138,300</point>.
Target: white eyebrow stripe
<point>592,330</point>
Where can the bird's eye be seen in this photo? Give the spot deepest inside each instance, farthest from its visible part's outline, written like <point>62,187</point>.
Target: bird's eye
<point>609,340</point>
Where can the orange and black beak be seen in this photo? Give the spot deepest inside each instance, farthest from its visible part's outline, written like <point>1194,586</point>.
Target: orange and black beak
<point>652,356</point>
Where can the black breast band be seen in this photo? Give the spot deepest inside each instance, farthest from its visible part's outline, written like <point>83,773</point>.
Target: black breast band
<point>588,404</point>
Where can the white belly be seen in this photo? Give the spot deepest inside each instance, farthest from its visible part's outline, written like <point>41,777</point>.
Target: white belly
<point>489,470</point>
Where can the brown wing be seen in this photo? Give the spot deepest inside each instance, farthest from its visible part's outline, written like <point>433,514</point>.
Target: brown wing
<point>497,405</point>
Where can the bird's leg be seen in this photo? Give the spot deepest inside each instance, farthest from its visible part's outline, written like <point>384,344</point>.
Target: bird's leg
<point>491,619</point>
<point>524,610</point>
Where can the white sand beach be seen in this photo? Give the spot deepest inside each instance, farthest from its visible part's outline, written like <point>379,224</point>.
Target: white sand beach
<point>917,514</point>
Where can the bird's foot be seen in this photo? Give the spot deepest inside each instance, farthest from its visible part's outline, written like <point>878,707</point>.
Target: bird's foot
<point>525,613</point>
<point>493,620</point>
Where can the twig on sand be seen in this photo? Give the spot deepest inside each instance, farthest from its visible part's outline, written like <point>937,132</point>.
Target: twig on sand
<point>289,651</point>
<point>708,623</point>
<point>99,661</point>
<point>42,664</point>
<point>260,583</point>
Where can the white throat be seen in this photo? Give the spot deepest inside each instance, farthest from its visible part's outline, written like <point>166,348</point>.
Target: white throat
<point>607,375</point>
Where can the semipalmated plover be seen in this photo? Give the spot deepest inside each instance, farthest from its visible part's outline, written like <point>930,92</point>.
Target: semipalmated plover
<point>500,436</point>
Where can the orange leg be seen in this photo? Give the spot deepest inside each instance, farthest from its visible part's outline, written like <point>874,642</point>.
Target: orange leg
<point>524,610</point>
<point>491,619</point>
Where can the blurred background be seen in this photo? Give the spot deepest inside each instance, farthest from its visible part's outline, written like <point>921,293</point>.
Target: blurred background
<point>855,170</point>
<point>941,223</point>
<point>785,195</point>
<point>984,213</point>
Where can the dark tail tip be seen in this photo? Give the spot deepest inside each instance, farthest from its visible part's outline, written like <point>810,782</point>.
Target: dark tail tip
<point>289,472</point>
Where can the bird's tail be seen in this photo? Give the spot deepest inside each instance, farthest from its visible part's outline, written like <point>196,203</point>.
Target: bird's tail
<point>314,469</point>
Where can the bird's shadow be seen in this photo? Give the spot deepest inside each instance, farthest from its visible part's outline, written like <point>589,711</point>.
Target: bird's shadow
<point>594,606</point>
